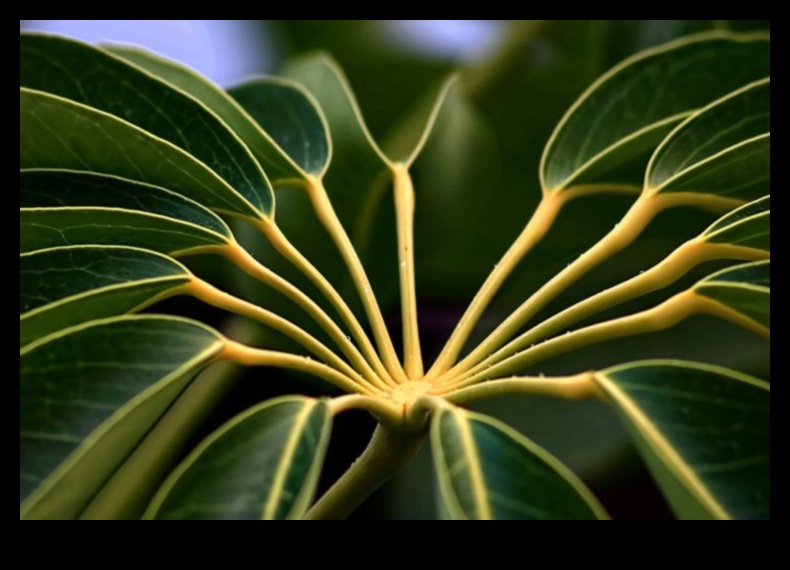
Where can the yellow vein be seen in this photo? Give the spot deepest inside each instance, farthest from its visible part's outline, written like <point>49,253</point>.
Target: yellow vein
<point>275,491</point>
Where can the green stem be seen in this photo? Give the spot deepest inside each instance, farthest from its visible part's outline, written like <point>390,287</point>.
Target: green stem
<point>533,232</point>
<point>217,298</point>
<point>243,354</point>
<point>635,221</point>
<point>326,214</point>
<point>567,388</point>
<point>404,211</point>
<point>386,453</point>
<point>677,264</point>
<point>247,263</point>
<point>661,317</point>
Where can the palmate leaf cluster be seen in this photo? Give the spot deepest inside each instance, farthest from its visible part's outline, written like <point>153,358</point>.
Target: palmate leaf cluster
<point>131,164</point>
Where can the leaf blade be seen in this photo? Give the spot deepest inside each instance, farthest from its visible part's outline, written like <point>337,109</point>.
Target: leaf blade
<point>723,149</point>
<point>65,286</point>
<point>275,162</point>
<point>46,188</point>
<point>476,459</point>
<point>631,100</point>
<point>117,148</point>
<point>694,425</point>
<point>91,76</point>
<point>263,464</point>
<point>747,226</point>
<point>43,228</point>
<point>744,289</point>
<point>290,117</point>
<point>121,389</point>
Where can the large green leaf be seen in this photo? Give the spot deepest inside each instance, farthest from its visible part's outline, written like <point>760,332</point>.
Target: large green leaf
<point>745,289</point>
<point>43,188</point>
<point>96,78</point>
<point>747,226</point>
<point>704,433</point>
<point>610,132</point>
<point>287,113</point>
<point>487,471</point>
<point>358,166</point>
<point>59,133</point>
<point>41,228</point>
<point>89,394</point>
<point>276,163</point>
<point>65,286</point>
<point>725,149</point>
<point>263,464</point>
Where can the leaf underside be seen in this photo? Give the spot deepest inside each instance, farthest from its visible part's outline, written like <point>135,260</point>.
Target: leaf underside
<point>87,397</point>
<point>488,471</point>
<point>704,433</point>
<point>127,158</point>
<point>263,464</point>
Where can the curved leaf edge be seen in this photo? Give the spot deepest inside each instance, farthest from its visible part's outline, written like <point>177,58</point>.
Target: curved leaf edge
<point>670,458</point>
<point>306,494</point>
<point>560,468</point>
<point>40,493</point>
<point>742,37</point>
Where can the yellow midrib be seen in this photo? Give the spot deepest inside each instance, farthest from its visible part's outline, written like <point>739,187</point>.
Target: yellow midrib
<point>479,491</point>
<point>673,461</point>
<point>285,461</point>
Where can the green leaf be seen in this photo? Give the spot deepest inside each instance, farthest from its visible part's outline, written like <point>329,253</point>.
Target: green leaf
<point>41,228</point>
<point>356,180</point>
<point>610,132</point>
<point>262,464</point>
<point>704,433</point>
<point>289,115</point>
<point>65,286</point>
<point>89,394</point>
<point>358,165</point>
<point>42,188</point>
<point>58,133</point>
<point>407,141</point>
<point>745,289</point>
<point>747,226</point>
<point>724,149</point>
<point>93,77</point>
<point>486,470</point>
<point>276,163</point>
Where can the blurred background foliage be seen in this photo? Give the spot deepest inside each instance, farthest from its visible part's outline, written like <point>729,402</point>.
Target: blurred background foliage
<point>476,185</point>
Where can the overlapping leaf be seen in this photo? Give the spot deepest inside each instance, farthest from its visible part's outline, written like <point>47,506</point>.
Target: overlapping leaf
<point>611,131</point>
<point>488,471</point>
<point>704,432</point>
<point>41,228</point>
<point>70,208</point>
<point>358,165</point>
<point>276,163</point>
<point>87,397</point>
<point>263,464</point>
<point>723,150</point>
<point>93,77</point>
<point>65,286</point>
<point>42,188</point>
<point>290,117</point>
<point>747,226</point>
<point>744,289</point>
<point>58,133</point>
